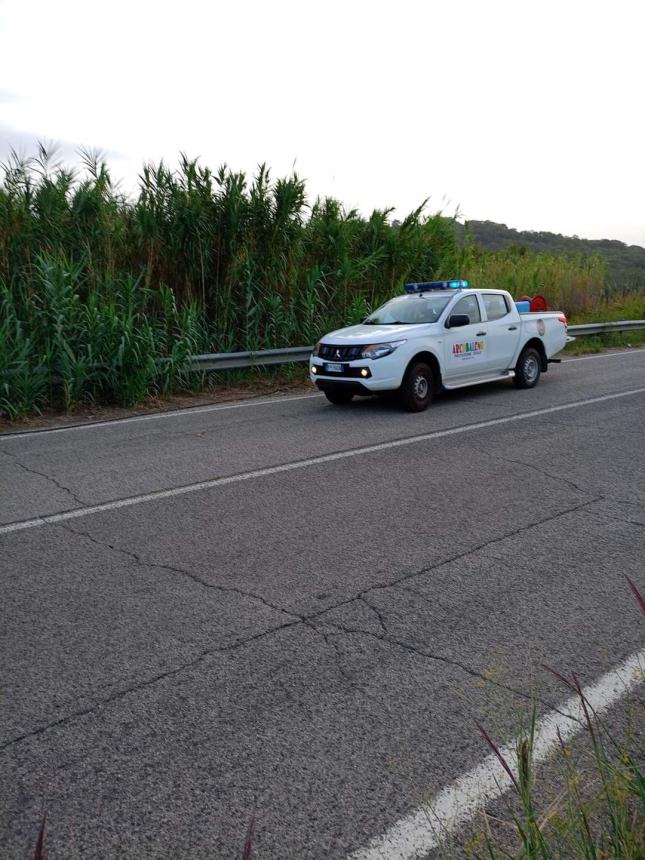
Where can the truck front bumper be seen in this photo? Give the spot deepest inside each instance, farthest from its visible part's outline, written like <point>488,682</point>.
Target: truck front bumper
<point>366,376</point>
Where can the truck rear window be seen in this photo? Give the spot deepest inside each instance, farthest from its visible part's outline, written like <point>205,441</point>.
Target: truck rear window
<point>495,305</point>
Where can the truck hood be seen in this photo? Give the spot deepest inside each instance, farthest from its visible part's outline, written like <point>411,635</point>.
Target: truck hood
<point>364,334</point>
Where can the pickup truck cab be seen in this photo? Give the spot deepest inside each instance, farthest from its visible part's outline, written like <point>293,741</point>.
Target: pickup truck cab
<point>441,334</point>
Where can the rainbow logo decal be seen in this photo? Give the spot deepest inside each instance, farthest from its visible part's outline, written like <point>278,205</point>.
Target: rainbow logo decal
<point>470,348</point>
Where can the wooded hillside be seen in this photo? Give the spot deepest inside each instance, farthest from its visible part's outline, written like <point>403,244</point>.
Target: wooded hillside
<point>625,263</point>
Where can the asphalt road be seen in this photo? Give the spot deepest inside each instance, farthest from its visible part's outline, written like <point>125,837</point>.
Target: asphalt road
<point>312,641</point>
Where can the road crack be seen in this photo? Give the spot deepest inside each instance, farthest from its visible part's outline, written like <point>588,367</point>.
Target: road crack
<point>80,502</point>
<point>541,471</point>
<point>603,515</point>
<point>376,612</point>
<point>482,546</point>
<point>205,583</point>
<point>147,682</point>
<point>297,619</point>
<point>448,661</point>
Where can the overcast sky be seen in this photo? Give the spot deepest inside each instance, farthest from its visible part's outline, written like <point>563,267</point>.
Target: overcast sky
<point>530,113</point>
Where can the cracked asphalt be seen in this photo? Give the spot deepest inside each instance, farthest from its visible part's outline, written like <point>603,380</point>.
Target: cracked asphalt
<point>310,647</point>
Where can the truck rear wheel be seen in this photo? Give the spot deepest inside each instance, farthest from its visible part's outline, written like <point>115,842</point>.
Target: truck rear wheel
<point>528,368</point>
<point>417,387</point>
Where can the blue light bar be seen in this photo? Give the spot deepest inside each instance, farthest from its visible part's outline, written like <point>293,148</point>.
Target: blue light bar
<point>426,286</point>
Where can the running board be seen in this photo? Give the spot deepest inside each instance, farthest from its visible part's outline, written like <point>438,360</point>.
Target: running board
<point>509,374</point>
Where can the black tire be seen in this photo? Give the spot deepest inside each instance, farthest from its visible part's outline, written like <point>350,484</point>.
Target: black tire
<point>528,368</point>
<point>339,397</point>
<point>417,387</point>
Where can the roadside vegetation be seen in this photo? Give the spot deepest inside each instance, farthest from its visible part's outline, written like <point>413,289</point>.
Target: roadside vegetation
<point>598,809</point>
<point>628,307</point>
<point>614,340</point>
<point>596,812</point>
<point>103,296</point>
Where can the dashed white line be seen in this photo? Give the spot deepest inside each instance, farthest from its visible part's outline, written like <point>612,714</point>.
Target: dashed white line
<point>425,829</point>
<point>159,495</point>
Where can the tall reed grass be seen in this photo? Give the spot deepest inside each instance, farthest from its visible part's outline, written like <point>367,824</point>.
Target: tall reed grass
<point>575,285</point>
<point>102,296</point>
<point>66,336</point>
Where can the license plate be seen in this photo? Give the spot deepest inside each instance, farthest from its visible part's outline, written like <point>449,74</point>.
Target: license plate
<point>333,367</point>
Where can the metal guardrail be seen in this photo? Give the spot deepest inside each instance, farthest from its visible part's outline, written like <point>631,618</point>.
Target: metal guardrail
<point>241,360</point>
<point>300,354</point>
<point>605,328</point>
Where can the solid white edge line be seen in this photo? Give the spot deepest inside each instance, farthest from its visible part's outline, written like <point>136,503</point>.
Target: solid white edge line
<point>415,835</point>
<point>172,413</point>
<point>196,410</point>
<point>604,355</point>
<point>158,495</point>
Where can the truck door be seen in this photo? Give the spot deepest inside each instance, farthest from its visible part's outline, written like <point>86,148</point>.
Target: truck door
<point>465,347</point>
<point>502,332</point>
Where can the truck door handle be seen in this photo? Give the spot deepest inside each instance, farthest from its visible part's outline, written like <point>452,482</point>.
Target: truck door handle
<point>480,334</point>
<point>512,328</point>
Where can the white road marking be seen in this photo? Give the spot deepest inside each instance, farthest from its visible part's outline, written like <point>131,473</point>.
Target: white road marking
<point>174,413</point>
<point>158,495</point>
<point>414,836</point>
<point>196,410</point>
<point>603,355</point>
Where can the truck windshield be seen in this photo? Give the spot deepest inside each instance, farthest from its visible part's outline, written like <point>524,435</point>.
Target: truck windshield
<point>409,310</point>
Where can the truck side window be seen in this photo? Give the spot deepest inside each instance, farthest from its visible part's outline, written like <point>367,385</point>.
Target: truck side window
<point>469,306</point>
<point>495,305</point>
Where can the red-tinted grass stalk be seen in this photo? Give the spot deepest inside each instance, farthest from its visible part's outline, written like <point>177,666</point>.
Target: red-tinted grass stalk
<point>248,843</point>
<point>40,853</point>
<point>491,743</point>
<point>639,597</point>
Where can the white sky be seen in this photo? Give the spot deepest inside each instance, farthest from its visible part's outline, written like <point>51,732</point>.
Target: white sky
<point>526,113</point>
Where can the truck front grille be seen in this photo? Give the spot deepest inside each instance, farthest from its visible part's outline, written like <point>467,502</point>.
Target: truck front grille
<point>340,353</point>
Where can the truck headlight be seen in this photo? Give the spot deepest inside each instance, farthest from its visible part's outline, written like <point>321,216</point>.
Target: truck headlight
<point>316,349</point>
<point>379,350</point>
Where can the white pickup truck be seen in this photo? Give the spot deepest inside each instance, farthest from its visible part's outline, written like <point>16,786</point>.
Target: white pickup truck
<point>441,334</point>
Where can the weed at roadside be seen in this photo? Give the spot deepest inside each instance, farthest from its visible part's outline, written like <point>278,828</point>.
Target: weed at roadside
<point>599,813</point>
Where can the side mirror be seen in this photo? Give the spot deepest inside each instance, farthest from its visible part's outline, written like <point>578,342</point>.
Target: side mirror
<point>457,320</point>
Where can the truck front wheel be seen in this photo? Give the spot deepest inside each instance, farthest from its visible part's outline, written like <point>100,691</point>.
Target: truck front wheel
<point>528,368</point>
<point>417,387</point>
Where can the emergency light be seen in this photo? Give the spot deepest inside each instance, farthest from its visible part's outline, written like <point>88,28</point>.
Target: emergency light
<point>426,286</point>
